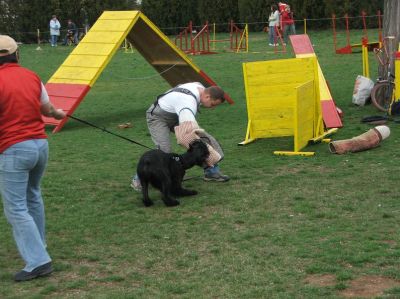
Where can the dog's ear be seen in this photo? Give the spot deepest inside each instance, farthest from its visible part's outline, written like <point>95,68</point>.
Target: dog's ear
<point>194,143</point>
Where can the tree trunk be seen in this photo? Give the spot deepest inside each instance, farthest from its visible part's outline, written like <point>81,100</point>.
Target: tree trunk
<point>391,27</point>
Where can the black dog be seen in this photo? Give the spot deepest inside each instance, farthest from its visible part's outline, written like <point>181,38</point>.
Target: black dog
<point>165,172</point>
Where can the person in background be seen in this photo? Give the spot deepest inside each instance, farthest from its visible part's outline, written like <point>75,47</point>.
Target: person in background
<point>72,33</point>
<point>176,106</point>
<point>273,24</point>
<point>287,23</point>
<point>54,30</point>
<point>23,158</point>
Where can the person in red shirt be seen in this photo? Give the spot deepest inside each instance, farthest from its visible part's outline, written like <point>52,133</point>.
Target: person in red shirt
<point>287,23</point>
<point>23,157</point>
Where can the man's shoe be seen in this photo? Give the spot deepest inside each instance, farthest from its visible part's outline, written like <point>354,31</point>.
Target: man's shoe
<point>42,270</point>
<point>216,177</point>
<point>135,184</point>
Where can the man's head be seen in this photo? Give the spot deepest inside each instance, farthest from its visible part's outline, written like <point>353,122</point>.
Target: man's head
<point>54,17</point>
<point>8,49</point>
<point>212,96</point>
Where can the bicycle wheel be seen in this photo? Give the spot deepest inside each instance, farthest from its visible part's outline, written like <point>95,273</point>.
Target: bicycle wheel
<point>381,95</point>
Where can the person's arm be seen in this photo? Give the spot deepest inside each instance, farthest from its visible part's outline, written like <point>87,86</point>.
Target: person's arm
<point>274,17</point>
<point>186,115</point>
<point>47,108</point>
<point>185,106</point>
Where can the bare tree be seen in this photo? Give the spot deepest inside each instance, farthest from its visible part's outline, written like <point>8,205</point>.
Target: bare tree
<point>391,27</point>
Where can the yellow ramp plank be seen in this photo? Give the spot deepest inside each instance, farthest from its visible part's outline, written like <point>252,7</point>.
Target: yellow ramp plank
<point>70,81</point>
<point>104,38</point>
<point>76,73</point>
<point>93,49</point>
<point>110,25</point>
<point>84,61</point>
<point>118,15</point>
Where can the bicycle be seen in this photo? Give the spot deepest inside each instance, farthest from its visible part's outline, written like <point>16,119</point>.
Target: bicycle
<point>382,94</point>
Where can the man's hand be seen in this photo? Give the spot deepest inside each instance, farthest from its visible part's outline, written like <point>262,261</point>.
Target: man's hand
<point>49,110</point>
<point>59,114</point>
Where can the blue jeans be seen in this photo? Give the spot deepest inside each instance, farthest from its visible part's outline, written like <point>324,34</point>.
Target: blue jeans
<point>211,170</point>
<point>288,30</point>
<point>53,40</point>
<point>21,168</point>
<point>272,35</point>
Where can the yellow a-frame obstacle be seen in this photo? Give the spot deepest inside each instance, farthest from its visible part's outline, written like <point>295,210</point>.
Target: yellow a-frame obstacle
<point>78,73</point>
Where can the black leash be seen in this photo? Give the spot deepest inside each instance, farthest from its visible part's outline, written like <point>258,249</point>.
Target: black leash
<point>191,178</point>
<point>107,131</point>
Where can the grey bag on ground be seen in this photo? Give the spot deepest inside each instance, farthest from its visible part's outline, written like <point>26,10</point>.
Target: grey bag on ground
<point>362,90</point>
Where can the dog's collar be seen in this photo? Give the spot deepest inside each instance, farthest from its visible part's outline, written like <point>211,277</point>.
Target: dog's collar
<point>176,158</point>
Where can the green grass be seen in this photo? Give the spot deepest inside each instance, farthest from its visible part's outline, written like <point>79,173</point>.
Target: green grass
<point>260,235</point>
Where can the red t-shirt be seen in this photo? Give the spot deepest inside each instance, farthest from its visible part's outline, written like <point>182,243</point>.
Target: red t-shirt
<point>20,117</point>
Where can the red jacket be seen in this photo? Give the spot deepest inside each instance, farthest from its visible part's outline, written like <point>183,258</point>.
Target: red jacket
<point>287,18</point>
<point>20,117</point>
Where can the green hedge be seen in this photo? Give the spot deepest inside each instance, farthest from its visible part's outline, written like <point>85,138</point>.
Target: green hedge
<point>21,18</point>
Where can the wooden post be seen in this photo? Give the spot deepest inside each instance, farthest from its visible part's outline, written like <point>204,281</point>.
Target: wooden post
<point>214,37</point>
<point>391,26</point>
<point>346,16</point>
<point>334,30</point>
<point>38,40</point>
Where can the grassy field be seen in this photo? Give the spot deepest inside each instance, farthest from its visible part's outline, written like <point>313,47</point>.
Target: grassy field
<point>284,227</point>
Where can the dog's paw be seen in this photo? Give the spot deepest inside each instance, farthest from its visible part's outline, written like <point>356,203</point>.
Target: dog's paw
<point>172,203</point>
<point>192,192</point>
<point>147,203</point>
<point>187,192</point>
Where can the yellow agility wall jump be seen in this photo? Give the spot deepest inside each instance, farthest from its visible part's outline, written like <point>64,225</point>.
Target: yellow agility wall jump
<point>78,73</point>
<point>283,100</point>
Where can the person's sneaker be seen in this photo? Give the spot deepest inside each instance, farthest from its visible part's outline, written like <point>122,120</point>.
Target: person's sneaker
<point>42,270</point>
<point>135,184</point>
<point>271,44</point>
<point>216,177</point>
